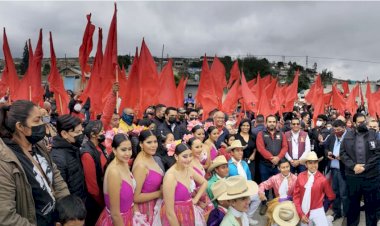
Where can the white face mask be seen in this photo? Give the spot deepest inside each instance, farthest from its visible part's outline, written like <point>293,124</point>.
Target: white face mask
<point>319,123</point>
<point>77,107</point>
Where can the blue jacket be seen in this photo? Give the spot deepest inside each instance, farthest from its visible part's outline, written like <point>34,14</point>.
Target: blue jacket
<point>233,169</point>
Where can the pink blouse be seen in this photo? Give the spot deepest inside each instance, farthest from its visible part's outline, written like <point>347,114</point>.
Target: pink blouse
<point>275,182</point>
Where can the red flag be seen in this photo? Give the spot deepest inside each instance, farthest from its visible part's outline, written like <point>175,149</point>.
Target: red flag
<point>148,77</point>
<point>86,47</point>
<point>252,83</point>
<point>278,100</point>
<point>92,88</point>
<point>370,101</point>
<point>108,69</point>
<point>9,77</point>
<point>264,106</point>
<point>30,87</point>
<point>234,74</point>
<point>231,100</point>
<point>291,93</point>
<point>351,104</point>
<point>56,83</point>
<point>180,91</point>
<point>346,89</point>
<point>338,101</point>
<point>168,89</point>
<point>131,93</point>
<point>249,98</point>
<point>318,103</point>
<point>269,89</point>
<point>218,73</point>
<point>314,89</point>
<point>327,98</point>
<point>206,95</point>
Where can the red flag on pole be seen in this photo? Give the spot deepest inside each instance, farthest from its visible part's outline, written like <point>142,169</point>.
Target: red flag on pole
<point>346,89</point>
<point>249,98</point>
<point>9,77</point>
<point>351,104</point>
<point>180,91</point>
<point>168,89</point>
<point>338,101</point>
<point>56,83</point>
<point>234,74</point>
<point>231,100</point>
<point>218,73</point>
<point>148,77</point>
<point>86,47</point>
<point>314,89</point>
<point>131,93</point>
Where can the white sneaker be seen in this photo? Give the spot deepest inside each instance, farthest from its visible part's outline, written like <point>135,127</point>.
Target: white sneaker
<point>253,222</point>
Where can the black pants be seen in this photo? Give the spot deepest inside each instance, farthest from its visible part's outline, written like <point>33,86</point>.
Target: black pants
<point>370,190</point>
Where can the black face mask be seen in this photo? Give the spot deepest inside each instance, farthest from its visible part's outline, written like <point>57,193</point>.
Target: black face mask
<point>78,140</point>
<point>362,128</point>
<point>172,120</point>
<point>101,138</point>
<point>38,133</point>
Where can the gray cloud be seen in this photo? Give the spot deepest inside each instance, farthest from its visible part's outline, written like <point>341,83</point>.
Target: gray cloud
<point>320,29</point>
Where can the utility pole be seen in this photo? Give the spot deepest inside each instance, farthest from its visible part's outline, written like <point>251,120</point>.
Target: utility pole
<point>162,56</point>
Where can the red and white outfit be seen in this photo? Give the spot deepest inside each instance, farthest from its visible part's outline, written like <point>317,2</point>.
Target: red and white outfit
<point>278,181</point>
<point>309,192</point>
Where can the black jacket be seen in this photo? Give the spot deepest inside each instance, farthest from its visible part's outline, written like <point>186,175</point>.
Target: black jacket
<point>67,158</point>
<point>372,153</point>
<point>178,132</point>
<point>329,147</point>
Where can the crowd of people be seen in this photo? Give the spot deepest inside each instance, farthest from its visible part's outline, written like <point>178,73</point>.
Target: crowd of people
<point>170,167</point>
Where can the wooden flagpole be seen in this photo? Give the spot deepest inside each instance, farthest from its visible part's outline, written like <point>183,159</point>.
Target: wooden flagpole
<point>30,93</point>
<point>60,103</point>
<point>117,93</point>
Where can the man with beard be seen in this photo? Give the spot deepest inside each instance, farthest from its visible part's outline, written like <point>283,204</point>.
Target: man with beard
<point>360,153</point>
<point>159,117</point>
<point>272,147</point>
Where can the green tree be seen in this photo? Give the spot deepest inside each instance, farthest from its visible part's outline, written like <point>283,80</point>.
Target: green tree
<point>252,66</point>
<point>326,77</point>
<point>124,61</point>
<point>46,69</point>
<point>25,60</point>
<point>304,78</point>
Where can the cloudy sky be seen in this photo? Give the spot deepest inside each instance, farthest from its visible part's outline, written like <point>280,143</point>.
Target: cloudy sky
<point>330,33</point>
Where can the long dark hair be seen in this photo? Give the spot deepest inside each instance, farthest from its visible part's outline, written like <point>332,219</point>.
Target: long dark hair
<point>143,136</point>
<point>181,148</point>
<point>242,122</point>
<point>117,140</point>
<point>9,115</point>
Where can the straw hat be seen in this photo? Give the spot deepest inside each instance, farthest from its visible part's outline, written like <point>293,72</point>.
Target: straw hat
<point>285,214</point>
<point>311,156</point>
<point>218,161</point>
<point>236,144</point>
<point>218,188</point>
<point>238,187</point>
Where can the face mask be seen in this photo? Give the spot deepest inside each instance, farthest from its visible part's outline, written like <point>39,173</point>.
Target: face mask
<point>38,133</point>
<point>172,120</point>
<point>319,123</point>
<point>77,107</point>
<point>181,117</point>
<point>127,118</point>
<point>46,119</point>
<point>339,134</point>
<point>362,128</point>
<point>101,138</point>
<point>78,140</point>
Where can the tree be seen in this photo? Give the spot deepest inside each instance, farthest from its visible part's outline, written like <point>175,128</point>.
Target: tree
<point>304,79</point>
<point>25,60</point>
<point>227,62</point>
<point>326,77</point>
<point>252,66</point>
<point>46,69</point>
<point>124,61</point>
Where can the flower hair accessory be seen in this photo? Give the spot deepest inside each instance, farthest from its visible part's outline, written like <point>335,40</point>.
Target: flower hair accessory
<point>207,125</point>
<point>171,147</point>
<point>137,130</point>
<point>187,137</point>
<point>191,124</point>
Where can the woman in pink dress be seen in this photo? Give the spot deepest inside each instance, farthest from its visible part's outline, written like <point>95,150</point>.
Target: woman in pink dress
<point>179,183</point>
<point>196,147</point>
<point>148,175</point>
<point>119,186</point>
<point>212,152</point>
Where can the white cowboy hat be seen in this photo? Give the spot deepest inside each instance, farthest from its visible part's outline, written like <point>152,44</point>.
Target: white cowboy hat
<point>311,156</point>
<point>218,161</point>
<point>238,187</point>
<point>218,188</point>
<point>285,214</point>
<point>236,144</point>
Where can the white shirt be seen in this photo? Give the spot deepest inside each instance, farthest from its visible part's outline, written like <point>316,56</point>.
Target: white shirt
<point>295,153</point>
